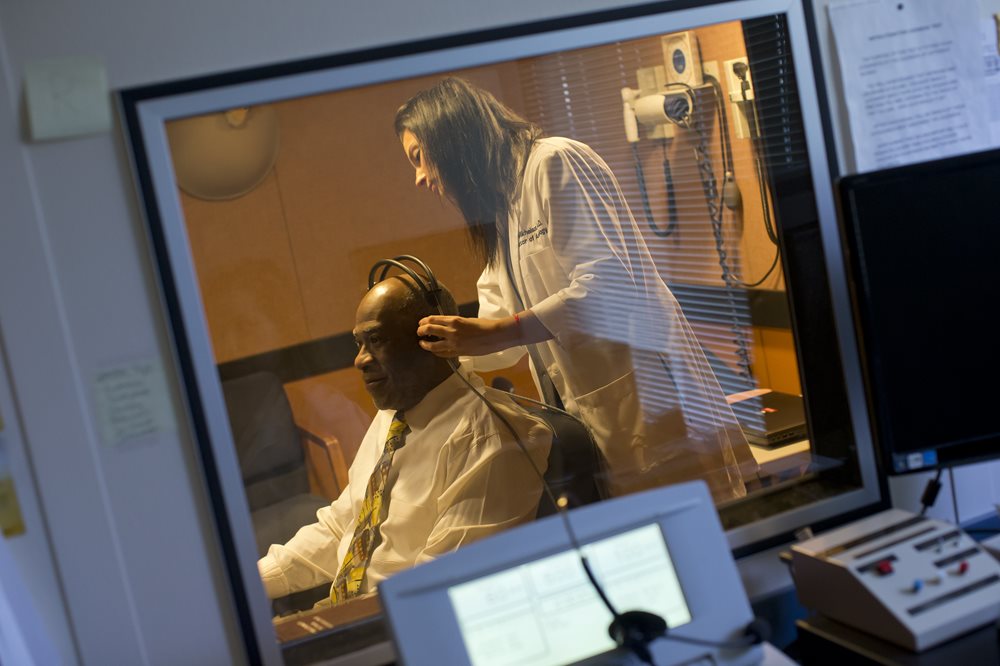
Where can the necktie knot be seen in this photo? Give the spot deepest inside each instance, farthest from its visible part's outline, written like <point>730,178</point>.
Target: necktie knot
<point>398,428</point>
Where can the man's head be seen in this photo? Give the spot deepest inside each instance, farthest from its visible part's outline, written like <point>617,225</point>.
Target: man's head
<point>396,371</point>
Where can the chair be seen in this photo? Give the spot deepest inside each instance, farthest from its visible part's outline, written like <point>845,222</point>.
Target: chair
<point>276,458</point>
<point>576,469</point>
<point>288,472</point>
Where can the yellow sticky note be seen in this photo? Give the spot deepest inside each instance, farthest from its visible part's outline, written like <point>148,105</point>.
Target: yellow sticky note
<point>11,520</point>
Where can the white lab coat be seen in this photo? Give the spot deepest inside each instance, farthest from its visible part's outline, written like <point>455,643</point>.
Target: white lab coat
<point>579,262</point>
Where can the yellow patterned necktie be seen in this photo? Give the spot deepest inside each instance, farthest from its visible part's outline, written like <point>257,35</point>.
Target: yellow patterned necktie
<point>352,572</point>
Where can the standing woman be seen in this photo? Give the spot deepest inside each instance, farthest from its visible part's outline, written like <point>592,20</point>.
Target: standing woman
<point>569,280</point>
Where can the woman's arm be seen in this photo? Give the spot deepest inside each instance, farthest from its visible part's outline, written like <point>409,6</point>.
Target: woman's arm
<point>591,236</point>
<point>472,336</point>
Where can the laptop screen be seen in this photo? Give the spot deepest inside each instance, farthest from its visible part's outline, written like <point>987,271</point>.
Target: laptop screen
<point>531,614</point>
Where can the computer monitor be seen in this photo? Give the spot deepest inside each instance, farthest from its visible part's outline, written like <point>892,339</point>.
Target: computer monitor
<point>923,243</point>
<point>522,597</point>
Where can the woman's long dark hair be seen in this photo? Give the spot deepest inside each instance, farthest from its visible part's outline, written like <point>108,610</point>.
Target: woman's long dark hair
<point>477,147</point>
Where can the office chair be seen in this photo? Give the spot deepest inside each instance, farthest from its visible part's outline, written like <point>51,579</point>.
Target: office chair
<point>576,470</point>
<point>272,454</point>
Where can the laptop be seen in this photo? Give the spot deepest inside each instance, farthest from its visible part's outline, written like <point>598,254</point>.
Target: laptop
<point>770,418</point>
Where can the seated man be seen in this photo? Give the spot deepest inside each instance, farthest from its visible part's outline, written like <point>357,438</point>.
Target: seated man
<point>436,469</point>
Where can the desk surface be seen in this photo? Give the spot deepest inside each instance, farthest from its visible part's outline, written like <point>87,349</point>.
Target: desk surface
<point>768,454</point>
<point>823,641</point>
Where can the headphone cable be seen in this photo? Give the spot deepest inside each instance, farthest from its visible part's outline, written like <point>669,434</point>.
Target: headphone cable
<point>429,286</point>
<point>633,630</point>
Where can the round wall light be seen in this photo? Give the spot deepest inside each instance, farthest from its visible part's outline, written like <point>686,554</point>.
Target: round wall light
<point>224,155</point>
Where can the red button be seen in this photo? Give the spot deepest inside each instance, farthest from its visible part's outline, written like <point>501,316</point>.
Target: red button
<point>963,567</point>
<point>884,567</point>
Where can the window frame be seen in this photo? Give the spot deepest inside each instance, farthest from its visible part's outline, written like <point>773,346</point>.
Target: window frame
<point>146,109</point>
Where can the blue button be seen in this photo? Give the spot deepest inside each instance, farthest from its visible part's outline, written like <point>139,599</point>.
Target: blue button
<point>918,585</point>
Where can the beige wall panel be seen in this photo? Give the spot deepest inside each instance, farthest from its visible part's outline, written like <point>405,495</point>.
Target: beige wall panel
<point>782,363</point>
<point>349,197</point>
<point>247,273</point>
<point>448,254</point>
<point>760,370</point>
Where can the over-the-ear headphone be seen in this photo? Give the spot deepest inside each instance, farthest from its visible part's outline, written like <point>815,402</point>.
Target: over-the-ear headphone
<point>427,283</point>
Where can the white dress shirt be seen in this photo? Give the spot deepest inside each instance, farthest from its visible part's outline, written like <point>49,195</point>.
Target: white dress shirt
<point>459,477</point>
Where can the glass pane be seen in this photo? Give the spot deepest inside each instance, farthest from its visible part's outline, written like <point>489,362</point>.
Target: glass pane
<point>647,215</point>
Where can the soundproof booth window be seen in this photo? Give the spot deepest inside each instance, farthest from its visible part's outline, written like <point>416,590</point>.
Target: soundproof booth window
<point>416,292</point>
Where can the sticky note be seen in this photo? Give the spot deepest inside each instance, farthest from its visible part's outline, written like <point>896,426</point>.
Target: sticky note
<point>66,97</point>
<point>11,520</point>
<point>132,402</point>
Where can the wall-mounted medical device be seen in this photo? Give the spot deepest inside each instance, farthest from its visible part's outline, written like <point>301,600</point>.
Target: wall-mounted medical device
<point>741,97</point>
<point>682,58</point>
<point>905,578</point>
<point>654,110</point>
<point>665,93</point>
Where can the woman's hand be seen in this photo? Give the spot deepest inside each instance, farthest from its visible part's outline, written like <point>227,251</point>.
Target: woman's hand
<point>469,336</point>
<point>448,336</point>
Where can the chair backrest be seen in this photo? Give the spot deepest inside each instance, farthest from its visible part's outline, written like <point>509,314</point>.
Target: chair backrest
<point>267,441</point>
<point>576,469</point>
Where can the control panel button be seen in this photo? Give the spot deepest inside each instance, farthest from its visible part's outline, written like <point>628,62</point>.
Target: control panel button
<point>884,568</point>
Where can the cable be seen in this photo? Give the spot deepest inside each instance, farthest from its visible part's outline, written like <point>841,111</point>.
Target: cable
<point>709,184</point>
<point>931,492</point>
<point>429,286</point>
<point>560,510</point>
<point>590,436</point>
<point>740,70</point>
<point>720,112</point>
<point>767,273</point>
<point>646,628</point>
<point>633,630</point>
<point>669,186</point>
<point>954,496</point>
<point>647,209</point>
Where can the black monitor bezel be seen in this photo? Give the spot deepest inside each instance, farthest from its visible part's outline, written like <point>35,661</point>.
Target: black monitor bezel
<point>947,455</point>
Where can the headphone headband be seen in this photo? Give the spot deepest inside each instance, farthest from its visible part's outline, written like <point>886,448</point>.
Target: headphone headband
<point>427,283</point>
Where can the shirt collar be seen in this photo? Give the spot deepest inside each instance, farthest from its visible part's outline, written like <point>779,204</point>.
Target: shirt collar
<point>440,397</point>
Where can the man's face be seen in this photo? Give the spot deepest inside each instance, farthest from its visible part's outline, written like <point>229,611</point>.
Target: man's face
<point>396,371</point>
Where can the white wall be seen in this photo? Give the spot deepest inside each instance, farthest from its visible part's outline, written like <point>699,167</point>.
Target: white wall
<point>136,558</point>
<point>977,487</point>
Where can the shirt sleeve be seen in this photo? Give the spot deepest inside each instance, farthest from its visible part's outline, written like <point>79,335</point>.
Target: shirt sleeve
<point>495,488</point>
<point>310,558</point>
<point>592,237</point>
<point>491,306</point>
